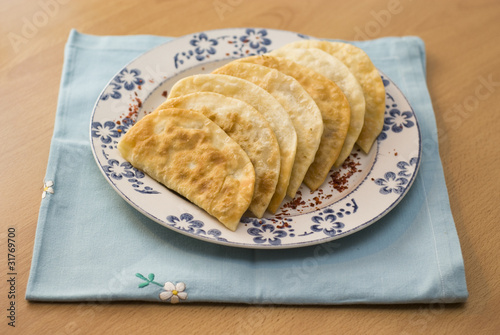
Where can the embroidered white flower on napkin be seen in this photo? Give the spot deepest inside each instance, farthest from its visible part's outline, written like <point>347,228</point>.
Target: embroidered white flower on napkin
<point>173,292</point>
<point>47,188</point>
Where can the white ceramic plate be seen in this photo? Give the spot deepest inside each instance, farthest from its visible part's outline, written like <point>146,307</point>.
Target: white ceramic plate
<point>352,198</point>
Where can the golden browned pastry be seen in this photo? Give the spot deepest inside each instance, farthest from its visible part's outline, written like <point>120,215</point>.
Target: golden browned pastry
<point>265,104</point>
<point>303,111</point>
<point>249,129</point>
<point>361,66</point>
<point>334,108</point>
<point>336,71</point>
<point>191,155</point>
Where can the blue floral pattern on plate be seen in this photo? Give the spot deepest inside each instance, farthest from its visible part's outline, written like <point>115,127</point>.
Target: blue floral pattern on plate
<point>263,233</point>
<point>129,78</point>
<point>203,45</point>
<point>125,79</point>
<point>105,132</point>
<point>187,223</point>
<point>125,170</point>
<point>112,91</point>
<point>394,119</point>
<point>406,167</point>
<point>109,132</point>
<point>391,183</point>
<point>327,221</point>
<point>396,183</point>
<point>256,39</point>
<point>252,42</point>
<point>329,224</point>
<point>397,120</point>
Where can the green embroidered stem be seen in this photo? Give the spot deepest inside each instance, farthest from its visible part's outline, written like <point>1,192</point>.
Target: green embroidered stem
<point>147,281</point>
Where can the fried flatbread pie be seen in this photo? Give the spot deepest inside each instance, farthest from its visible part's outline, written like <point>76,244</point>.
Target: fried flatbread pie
<point>191,155</point>
<point>265,104</point>
<point>249,129</point>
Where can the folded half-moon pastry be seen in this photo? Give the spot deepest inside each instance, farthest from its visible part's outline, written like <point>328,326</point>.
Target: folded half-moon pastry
<point>249,129</point>
<point>361,66</point>
<point>190,154</point>
<point>332,104</point>
<point>265,104</point>
<point>303,111</point>
<point>332,68</point>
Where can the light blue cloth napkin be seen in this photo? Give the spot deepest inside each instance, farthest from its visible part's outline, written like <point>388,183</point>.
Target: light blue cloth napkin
<point>91,245</point>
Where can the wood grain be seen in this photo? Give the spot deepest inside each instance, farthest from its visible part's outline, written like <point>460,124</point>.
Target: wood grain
<point>462,43</point>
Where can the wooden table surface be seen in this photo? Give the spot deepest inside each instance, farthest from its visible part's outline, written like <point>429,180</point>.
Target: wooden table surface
<point>463,52</point>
